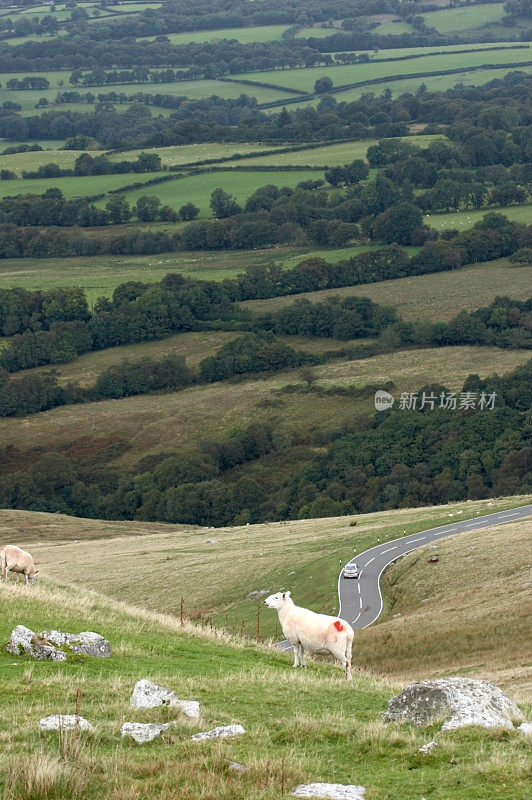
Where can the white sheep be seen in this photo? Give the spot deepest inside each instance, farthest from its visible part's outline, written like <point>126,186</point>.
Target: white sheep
<point>317,633</point>
<point>13,559</point>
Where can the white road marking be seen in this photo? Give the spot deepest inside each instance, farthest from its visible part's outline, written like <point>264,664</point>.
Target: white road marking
<point>359,589</point>
<point>369,562</point>
<point>416,540</point>
<point>388,550</point>
<point>361,602</point>
<point>356,618</point>
<point>511,515</point>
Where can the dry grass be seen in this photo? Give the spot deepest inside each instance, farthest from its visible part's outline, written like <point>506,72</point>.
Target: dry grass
<point>166,422</point>
<point>429,297</point>
<point>467,614</point>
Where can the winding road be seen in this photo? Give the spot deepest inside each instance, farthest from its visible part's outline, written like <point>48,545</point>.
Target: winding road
<point>360,601</point>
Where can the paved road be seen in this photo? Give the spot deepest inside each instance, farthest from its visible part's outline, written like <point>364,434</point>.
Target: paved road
<point>360,601</point>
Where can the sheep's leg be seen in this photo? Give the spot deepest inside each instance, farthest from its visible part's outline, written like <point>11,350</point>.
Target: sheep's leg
<point>26,576</point>
<point>302,655</point>
<point>296,653</point>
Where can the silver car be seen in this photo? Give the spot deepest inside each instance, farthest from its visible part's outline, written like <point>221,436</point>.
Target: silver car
<point>350,571</point>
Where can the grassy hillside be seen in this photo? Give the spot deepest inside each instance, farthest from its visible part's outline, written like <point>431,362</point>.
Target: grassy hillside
<point>301,726</point>
<point>467,613</point>
<point>466,219</point>
<point>167,422</point>
<point>440,295</point>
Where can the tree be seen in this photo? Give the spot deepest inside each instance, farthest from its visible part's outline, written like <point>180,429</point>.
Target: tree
<point>323,85</point>
<point>397,224</point>
<point>223,204</point>
<point>188,211</point>
<point>147,208</point>
<point>119,210</point>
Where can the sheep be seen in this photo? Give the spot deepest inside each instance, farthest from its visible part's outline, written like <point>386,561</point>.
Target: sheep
<point>317,633</point>
<point>13,559</point>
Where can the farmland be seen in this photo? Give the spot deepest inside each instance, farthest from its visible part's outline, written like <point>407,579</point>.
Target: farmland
<point>265,33</point>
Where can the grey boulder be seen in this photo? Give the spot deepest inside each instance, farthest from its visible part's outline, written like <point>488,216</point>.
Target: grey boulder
<point>148,695</point>
<point>330,791</point>
<point>65,722</point>
<point>144,732</point>
<point>459,701</point>
<point>87,643</point>
<point>24,641</point>
<point>220,733</point>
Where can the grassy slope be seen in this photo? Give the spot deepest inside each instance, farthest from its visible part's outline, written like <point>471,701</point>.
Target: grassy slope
<point>437,296</point>
<point>76,187</point>
<point>322,728</point>
<point>197,189</point>
<point>345,74</point>
<point>168,422</point>
<point>457,20</point>
<point>265,33</point>
<point>466,219</point>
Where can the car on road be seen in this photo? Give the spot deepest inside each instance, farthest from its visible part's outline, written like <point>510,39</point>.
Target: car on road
<point>350,571</point>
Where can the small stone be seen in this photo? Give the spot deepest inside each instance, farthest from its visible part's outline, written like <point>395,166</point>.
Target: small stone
<point>234,766</point>
<point>143,732</point>
<point>211,541</point>
<point>525,728</point>
<point>425,600</point>
<point>64,722</point>
<point>148,695</point>
<point>433,559</point>
<point>330,791</point>
<point>427,748</point>
<point>220,733</point>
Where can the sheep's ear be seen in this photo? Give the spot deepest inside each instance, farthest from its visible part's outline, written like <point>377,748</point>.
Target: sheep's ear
<point>286,594</point>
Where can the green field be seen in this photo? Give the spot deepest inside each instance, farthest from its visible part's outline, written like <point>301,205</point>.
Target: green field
<point>438,296</point>
<point>197,189</point>
<point>392,28</point>
<point>466,219</point>
<point>190,153</point>
<point>458,20</point>
<point>265,33</point>
<point>301,726</point>
<point>74,187</point>
<point>195,89</point>
<point>341,75</point>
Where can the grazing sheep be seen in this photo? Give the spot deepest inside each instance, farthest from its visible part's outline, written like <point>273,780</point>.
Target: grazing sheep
<point>317,633</point>
<point>13,559</point>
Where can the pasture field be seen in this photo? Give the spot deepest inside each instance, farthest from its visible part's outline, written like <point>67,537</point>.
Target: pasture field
<point>392,28</point>
<point>351,73</point>
<point>466,219</point>
<point>334,154</point>
<point>184,154</point>
<point>75,187</point>
<point>458,20</point>
<point>434,83</point>
<point>265,33</point>
<point>197,189</point>
<point>18,162</point>
<point>153,424</point>
<point>438,296</point>
<point>196,90</point>
<point>301,726</point>
<point>305,556</point>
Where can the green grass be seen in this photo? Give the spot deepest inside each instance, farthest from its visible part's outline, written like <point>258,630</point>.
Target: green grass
<point>302,727</point>
<point>169,422</point>
<point>197,189</point>
<point>75,186</point>
<point>438,296</point>
<point>32,160</point>
<point>392,28</point>
<point>265,33</point>
<point>190,153</point>
<point>458,20</point>
<point>340,75</point>
<point>466,219</point>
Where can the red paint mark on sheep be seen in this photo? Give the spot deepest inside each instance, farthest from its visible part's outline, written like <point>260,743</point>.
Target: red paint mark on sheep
<point>338,625</point>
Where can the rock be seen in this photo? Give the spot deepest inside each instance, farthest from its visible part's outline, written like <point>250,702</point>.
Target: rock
<point>211,541</point>
<point>433,560</point>
<point>427,748</point>
<point>525,728</point>
<point>234,766</point>
<point>64,722</point>
<point>144,732</point>
<point>259,593</point>
<point>220,733</point>
<point>461,701</point>
<point>24,641</point>
<point>330,791</point>
<point>87,643</point>
<point>148,695</point>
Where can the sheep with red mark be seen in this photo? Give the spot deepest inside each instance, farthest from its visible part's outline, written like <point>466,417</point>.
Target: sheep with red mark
<point>316,633</point>
<point>13,559</point>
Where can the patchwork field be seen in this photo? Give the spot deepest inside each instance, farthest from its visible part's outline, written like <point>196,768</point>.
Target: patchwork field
<point>265,33</point>
<point>74,187</point>
<point>157,423</point>
<point>462,220</point>
<point>341,75</point>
